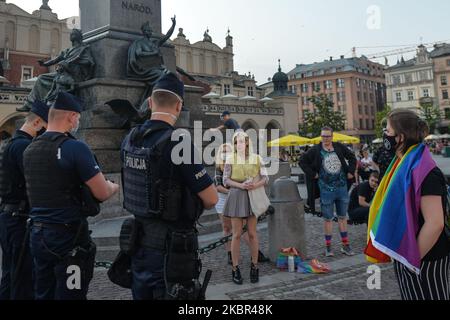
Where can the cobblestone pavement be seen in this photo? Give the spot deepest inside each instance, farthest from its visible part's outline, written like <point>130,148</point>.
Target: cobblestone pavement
<point>348,281</point>
<point>347,284</point>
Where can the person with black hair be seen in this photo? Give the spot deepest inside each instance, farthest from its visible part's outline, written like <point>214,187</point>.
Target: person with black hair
<point>360,199</point>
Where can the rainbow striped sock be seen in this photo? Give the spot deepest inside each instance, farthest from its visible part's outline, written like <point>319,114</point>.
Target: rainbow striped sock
<point>328,240</point>
<point>344,237</point>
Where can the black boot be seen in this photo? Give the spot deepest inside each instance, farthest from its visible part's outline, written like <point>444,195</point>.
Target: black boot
<point>254,274</point>
<point>262,258</point>
<point>230,259</point>
<point>237,277</point>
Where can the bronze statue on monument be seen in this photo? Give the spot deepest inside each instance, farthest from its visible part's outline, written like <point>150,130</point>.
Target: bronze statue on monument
<point>74,65</point>
<point>145,64</point>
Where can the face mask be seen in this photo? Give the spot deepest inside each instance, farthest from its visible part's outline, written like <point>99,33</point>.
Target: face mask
<point>40,132</point>
<point>390,143</point>
<point>166,114</point>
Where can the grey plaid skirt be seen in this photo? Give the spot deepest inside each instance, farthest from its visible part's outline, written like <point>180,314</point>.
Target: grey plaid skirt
<point>238,204</point>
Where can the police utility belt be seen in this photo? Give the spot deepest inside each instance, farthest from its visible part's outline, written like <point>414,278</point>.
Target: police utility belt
<point>16,210</point>
<point>182,264</point>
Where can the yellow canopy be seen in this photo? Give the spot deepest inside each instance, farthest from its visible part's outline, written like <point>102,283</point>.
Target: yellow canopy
<point>289,141</point>
<point>337,137</point>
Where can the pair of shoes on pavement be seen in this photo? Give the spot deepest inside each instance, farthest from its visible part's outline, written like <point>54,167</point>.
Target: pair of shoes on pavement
<point>346,249</point>
<point>237,277</point>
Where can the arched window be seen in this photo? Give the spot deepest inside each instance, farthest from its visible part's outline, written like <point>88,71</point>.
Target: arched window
<point>56,41</point>
<point>34,40</point>
<point>11,34</point>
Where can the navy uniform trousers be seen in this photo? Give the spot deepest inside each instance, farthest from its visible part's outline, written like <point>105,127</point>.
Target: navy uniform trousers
<point>54,273</point>
<point>12,234</point>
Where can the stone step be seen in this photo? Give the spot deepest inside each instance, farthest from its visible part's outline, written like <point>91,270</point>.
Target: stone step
<point>106,233</point>
<point>109,253</point>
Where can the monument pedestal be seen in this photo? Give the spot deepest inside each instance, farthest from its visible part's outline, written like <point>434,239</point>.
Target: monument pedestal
<point>110,27</point>
<point>103,130</point>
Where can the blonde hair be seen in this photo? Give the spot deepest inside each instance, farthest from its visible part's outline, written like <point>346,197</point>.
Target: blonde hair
<point>220,163</point>
<point>244,135</point>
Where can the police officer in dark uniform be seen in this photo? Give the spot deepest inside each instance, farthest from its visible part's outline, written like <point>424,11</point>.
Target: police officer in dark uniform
<point>17,282</point>
<point>58,171</point>
<point>166,198</point>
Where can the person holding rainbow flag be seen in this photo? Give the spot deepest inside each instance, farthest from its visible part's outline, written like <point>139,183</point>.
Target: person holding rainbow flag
<point>406,222</point>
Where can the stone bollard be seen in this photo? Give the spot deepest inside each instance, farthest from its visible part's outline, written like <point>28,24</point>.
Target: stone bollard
<point>284,170</point>
<point>287,225</point>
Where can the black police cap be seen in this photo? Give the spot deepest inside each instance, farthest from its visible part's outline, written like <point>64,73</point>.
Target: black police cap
<point>40,109</point>
<point>171,84</point>
<point>68,102</point>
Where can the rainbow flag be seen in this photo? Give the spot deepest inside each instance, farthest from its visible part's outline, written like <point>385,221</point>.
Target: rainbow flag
<point>394,213</point>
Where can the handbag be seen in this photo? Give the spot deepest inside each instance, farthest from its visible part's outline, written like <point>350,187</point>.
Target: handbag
<point>259,201</point>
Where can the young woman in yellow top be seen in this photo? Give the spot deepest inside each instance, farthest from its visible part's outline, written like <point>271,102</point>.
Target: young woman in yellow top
<point>240,171</point>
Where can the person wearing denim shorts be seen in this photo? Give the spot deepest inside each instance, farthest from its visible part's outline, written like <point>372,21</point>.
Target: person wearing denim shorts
<point>333,165</point>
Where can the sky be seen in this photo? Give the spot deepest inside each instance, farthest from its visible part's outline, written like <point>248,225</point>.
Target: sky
<point>298,31</point>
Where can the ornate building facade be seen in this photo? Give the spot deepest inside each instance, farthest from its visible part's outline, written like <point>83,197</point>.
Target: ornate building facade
<point>24,40</point>
<point>441,69</point>
<point>355,85</point>
<point>212,68</point>
<point>409,82</point>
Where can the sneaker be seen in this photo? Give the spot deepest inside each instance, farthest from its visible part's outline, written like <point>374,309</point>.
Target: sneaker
<point>347,250</point>
<point>308,210</point>
<point>262,258</point>
<point>328,252</point>
<point>254,274</point>
<point>237,277</point>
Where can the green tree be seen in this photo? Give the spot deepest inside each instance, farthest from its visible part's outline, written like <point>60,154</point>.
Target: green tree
<point>381,121</point>
<point>322,116</point>
<point>431,114</point>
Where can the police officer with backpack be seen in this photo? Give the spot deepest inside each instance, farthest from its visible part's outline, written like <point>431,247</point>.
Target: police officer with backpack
<point>17,282</point>
<point>63,178</point>
<point>166,198</point>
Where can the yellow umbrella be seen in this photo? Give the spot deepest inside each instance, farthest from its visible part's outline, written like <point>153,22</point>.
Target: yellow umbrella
<point>337,137</point>
<point>289,141</point>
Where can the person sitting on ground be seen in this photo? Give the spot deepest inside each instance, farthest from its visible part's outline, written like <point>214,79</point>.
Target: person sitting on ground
<point>360,199</point>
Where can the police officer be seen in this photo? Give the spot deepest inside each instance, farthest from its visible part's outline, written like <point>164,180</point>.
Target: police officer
<point>17,283</point>
<point>57,168</point>
<point>166,198</point>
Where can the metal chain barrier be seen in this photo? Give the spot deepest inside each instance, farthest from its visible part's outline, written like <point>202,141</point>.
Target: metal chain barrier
<point>335,219</point>
<point>219,243</point>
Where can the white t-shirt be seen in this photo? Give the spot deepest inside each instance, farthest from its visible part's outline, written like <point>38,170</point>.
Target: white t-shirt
<point>368,162</point>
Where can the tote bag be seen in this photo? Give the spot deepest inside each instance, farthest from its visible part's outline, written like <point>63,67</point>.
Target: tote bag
<point>258,200</point>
